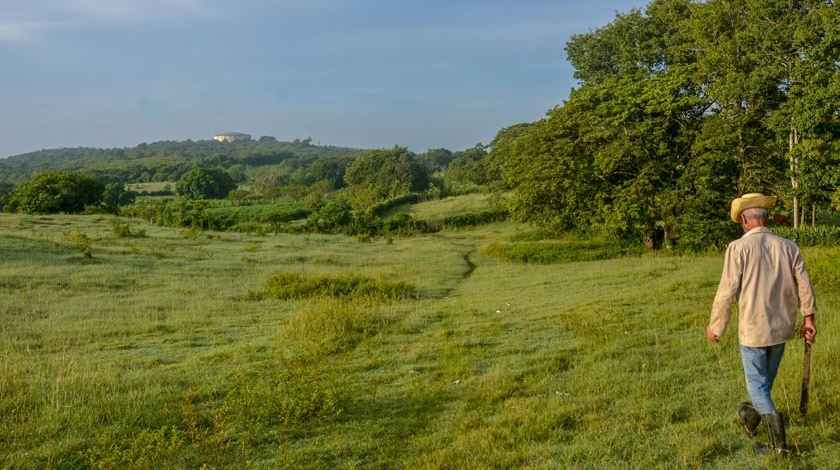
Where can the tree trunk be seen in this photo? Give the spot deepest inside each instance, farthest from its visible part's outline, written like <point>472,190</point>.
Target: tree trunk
<point>793,139</point>
<point>803,220</point>
<point>813,214</point>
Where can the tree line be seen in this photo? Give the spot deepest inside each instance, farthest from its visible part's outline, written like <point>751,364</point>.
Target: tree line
<point>679,108</point>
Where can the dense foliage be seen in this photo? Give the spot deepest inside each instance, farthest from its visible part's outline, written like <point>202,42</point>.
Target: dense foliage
<point>204,183</point>
<point>382,174</point>
<point>681,108</point>
<point>215,215</point>
<point>6,190</point>
<point>115,195</point>
<point>55,191</point>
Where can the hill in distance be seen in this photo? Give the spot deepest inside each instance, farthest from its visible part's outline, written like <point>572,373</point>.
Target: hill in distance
<point>166,160</point>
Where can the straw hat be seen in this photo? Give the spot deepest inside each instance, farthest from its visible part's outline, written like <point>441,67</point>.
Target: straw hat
<point>749,201</point>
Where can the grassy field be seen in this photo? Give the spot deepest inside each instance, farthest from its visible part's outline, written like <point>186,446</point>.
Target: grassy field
<point>440,208</point>
<point>168,351</point>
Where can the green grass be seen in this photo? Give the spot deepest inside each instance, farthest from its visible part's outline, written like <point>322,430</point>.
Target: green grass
<point>292,285</point>
<point>456,205</point>
<point>150,354</point>
<point>560,251</point>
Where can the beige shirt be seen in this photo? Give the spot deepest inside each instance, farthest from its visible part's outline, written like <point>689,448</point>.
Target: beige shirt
<point>767,274</point>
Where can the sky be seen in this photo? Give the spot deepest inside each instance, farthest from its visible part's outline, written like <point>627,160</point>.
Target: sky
<point>357,73</point>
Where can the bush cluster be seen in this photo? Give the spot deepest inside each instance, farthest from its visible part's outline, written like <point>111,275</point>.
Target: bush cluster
<point>123,230</point>
<point>560,251</point>
<point>331,325</point>
<point>292,285</point>
<point>214,215</point>
<point>474,218</point>
<point>80,240</point>
<point>55,191</point>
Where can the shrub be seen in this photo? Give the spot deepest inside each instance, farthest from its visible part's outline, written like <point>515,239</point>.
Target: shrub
<point>291,285</point>
<point>330,325</point>
<point>559,252</point>
<point>474,218</point>
<point>331,215</point>
<point>533,235</point>
<point>115,195</point>
<point>215,215</point>
<point>80,240</point>
<point>123,230</point>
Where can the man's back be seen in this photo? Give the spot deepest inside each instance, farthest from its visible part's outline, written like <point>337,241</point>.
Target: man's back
<point>768,276</point>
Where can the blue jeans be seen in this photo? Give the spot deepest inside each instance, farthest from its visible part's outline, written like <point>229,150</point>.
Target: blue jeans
<point>760,367</point>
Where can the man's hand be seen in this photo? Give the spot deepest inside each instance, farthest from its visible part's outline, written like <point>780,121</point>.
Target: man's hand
<point>808,331</point>
<point>710,335</point>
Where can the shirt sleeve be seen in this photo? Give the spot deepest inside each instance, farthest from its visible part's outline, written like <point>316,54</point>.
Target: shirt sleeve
<point>807,301</point>
<point>730,284</point>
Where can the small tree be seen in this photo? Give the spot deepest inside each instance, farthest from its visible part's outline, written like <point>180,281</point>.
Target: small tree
<point>55,191</point>
<point>203,183</point>
<point>332,215</point>
<point>6,190</point>
<point>115,195</point>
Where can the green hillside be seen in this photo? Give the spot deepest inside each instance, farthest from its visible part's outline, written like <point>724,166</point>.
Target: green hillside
<point>166,160</point>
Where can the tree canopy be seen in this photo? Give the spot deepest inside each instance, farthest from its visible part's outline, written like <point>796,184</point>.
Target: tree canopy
<point>383,174</point>
<point>680,108</point>
<point>203,183</point>
<point>55,191</point>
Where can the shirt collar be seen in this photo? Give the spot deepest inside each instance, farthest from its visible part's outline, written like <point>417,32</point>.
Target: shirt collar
<point>756,230</point>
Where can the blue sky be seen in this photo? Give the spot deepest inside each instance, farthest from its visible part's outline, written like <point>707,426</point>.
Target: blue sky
<point>360,73</point>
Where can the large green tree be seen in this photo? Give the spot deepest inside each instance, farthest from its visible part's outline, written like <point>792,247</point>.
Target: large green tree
<point>204,183</point>
<point>383,174</point>
<point>679,108</point>
<point>55,191</point>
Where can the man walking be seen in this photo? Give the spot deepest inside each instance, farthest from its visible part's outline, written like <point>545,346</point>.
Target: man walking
<point>767,275</point>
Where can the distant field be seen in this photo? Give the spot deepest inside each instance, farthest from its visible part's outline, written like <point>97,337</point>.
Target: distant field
<point>438,209</point>
<point>166,352</point>
<point>151,187</point>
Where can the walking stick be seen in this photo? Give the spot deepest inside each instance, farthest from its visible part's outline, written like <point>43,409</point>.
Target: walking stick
<point>806,378</point>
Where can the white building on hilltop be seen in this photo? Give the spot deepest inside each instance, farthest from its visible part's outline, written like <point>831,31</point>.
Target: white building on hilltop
<point>231,136</point>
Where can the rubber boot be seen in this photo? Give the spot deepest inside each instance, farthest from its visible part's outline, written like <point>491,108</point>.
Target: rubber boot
<point>749,418</point>
<point>776,431</point>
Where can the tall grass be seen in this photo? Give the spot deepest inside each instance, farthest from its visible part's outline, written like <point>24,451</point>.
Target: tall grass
<point>293,285</point>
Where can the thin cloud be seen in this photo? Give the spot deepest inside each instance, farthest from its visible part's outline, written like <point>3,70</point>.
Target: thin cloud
<point>131,9</point>
<point>17,31</point>
<point>23,20</point>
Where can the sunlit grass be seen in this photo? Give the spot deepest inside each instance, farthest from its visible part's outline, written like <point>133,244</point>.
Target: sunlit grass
<point>438,209</point>
<point>150,354</point>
